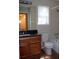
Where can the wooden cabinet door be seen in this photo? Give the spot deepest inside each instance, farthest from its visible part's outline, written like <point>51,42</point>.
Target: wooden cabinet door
<point>24,52</point>
<point>24,48</point>
<point>35,45</point>
<point>35,48</point>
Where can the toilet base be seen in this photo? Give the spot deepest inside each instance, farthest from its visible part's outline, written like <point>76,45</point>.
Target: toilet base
<point>48,51</point>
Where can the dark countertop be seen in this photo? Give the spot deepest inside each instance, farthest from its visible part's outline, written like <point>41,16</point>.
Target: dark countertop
<point>28,35</point>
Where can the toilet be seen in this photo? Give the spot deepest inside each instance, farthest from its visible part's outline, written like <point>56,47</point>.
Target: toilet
<point>48,47</point>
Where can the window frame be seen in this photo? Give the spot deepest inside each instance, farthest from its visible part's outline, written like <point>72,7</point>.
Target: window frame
<point>45,16</point>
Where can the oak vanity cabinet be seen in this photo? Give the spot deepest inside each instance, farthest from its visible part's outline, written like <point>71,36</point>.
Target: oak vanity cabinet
<point>30,47</point>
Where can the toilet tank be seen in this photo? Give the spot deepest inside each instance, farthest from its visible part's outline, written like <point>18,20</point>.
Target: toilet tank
<point>44,37</point>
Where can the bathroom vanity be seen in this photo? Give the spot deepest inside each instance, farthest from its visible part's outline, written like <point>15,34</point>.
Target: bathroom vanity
<point>29,46</point>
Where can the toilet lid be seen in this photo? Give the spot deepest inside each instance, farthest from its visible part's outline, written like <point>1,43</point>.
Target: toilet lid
<point>48,43</point>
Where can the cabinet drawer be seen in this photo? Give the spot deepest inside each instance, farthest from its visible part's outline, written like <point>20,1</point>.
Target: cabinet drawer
<point>35,39</point>
<point>24,41</point>
<point>24,38</point>
<point>35,48</point>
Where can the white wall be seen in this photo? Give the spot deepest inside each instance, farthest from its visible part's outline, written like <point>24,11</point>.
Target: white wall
<point>33,18</point>
<point>36,3</point>
<point>41,2</point>
<point>53,27</point>
<point>42,29</point>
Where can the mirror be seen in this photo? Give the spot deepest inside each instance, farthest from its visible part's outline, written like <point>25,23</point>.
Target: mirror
<point>23,21</point>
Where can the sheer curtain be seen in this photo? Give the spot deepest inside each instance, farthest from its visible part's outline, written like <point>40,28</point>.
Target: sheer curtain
<point>43,15</point>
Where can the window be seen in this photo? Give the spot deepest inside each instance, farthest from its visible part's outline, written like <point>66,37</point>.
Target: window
<point>43,15</point>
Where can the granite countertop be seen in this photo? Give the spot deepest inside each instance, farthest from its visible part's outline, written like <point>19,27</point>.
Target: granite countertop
<point>28,35</point>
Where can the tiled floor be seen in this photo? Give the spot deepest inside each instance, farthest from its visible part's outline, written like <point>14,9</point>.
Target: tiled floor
<point>53,56</point>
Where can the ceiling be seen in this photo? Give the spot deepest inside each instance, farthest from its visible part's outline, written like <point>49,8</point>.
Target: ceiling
<point>30,1</point>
